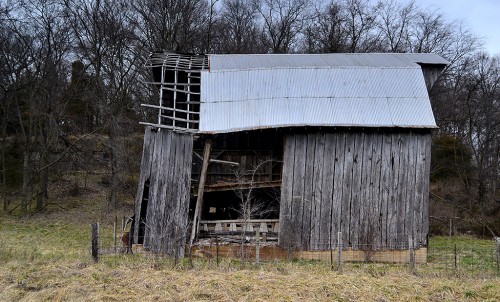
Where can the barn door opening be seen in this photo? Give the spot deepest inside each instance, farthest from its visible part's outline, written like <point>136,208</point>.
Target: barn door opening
<point>144,211</point>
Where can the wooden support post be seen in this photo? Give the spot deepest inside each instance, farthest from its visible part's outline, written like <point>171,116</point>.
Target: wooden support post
<point>201,188</point>
<point>95,241</point>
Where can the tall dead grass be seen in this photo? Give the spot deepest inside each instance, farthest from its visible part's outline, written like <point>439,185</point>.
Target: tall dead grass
<point>47,258</point>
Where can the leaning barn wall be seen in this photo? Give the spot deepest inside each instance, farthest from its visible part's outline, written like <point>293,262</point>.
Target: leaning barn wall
<point>371,186</point>
<point>166,163</point>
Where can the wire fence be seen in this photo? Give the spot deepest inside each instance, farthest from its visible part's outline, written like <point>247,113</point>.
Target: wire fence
<point>444,256</point>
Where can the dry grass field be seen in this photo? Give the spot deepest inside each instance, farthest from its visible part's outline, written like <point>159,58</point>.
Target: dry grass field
<point>47,258</point>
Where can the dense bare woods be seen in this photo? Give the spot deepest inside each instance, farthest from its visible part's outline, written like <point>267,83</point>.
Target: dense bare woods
<point>70,69</point>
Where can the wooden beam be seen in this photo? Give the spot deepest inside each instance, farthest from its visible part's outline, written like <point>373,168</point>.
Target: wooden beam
<point>231,186</point>
<point>218,161</point>
<point>201,187</point>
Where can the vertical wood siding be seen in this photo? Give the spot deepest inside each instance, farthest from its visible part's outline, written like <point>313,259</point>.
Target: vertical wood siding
<point>166,162</point>
<point>370,185</point>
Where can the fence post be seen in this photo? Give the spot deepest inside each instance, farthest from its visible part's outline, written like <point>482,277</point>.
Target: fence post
<point>412,255</point>
<point>450,231</point>
<point>331,254</point>
<point>455,254</point>
<point>497,245</point>
<point>114,233</point>
<point>339,246</point>
<point>95,241</point>
<point>123,230</point>
<point>257,245</point>
<point>217,249</point>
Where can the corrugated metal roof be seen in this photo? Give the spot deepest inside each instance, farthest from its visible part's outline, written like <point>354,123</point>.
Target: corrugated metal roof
<point>251,91</point>
<point>361,95</point>
<point>256,61</point>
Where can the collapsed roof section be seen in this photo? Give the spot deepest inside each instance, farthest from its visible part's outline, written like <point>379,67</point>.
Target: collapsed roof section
<point>227,93</point>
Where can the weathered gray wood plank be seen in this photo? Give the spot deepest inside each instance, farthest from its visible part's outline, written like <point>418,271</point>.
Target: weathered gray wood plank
<point>346,192</point>
<point>285,233</point>
<point>317,191</point>
<point>357,172</point>
<point>327,191</point>
<point>410,189</point>
<point>338,185</point>
<point>402,196</point>
<point>386,187</point>
<point>153,192</point>
<point>376,191</point>
<point>394,196</point>
<point>425,190</point>
<point>307,200</point>
<point>365,209</point>
<point>298,188</point>
<point>419,187</point>
<point>145,174</point>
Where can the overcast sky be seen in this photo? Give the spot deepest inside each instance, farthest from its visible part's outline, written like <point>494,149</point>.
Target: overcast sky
<point>482,17</point>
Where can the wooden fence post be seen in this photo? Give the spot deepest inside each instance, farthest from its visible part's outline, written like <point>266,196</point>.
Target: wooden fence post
<point>339,246</point>
<point>456,257</point>
<point>257,245</point>
<point>497,245</point>
<point>95,241</point>
<point>412,255</point>
<point>114,233</point>
<point>217,249</point>
<point>331,254</point>
<point>123,230</point>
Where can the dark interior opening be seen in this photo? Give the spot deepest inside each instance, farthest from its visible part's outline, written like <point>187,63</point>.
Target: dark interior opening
<point>263,203</point>
<point>144,211</point>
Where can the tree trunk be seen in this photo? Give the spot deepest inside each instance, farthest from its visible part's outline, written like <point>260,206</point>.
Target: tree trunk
<point>26,177</point>
<point>43,183</point>
<point>114,174</point>
<point>4,177</point>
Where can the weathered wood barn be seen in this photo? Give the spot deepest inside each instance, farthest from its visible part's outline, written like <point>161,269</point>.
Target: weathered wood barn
<point>305,147</point>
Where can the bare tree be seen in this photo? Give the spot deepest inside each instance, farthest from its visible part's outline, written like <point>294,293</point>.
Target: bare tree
<point>283,21</point>
<point>38,45</point>
<point>236,30</point>
<point>395,21</point>
<point>108,46</point>
<point>249,206</point>
<point>175,25</point>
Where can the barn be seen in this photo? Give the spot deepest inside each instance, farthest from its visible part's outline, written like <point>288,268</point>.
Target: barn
<point>317,150</point>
